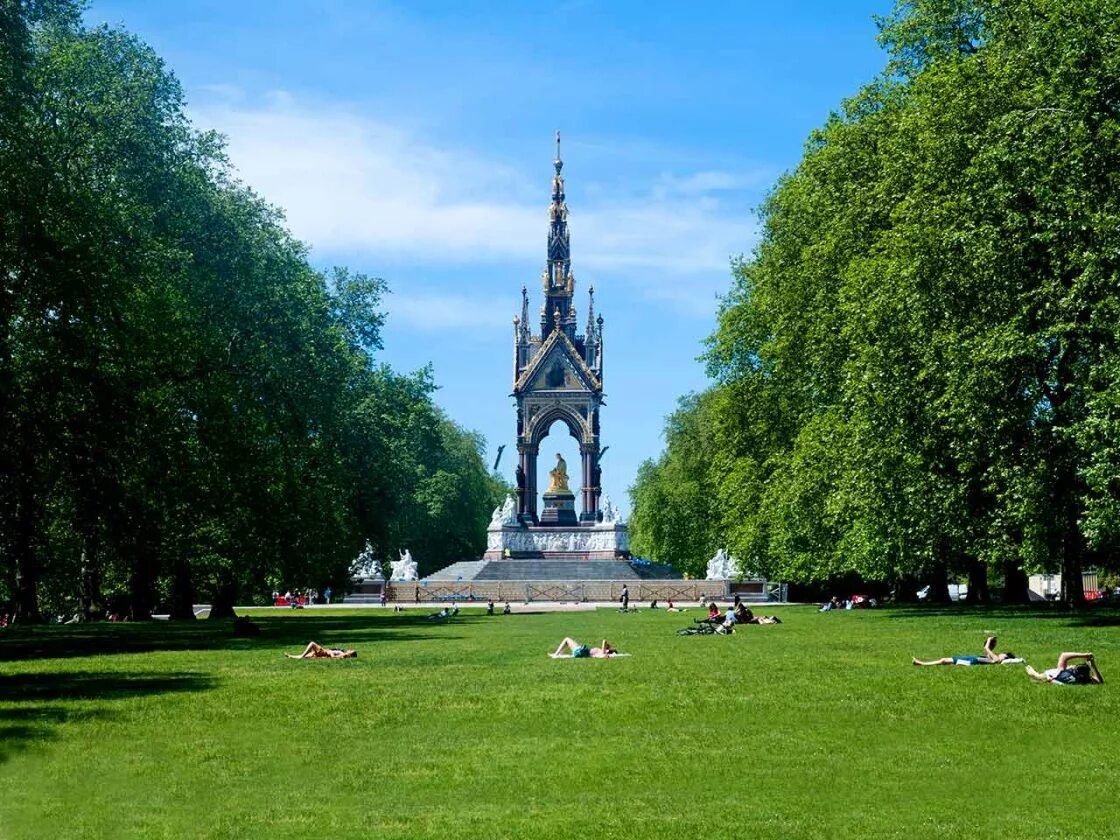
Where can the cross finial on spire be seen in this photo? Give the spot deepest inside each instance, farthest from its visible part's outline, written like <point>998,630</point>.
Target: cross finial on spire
<point>558,163</point>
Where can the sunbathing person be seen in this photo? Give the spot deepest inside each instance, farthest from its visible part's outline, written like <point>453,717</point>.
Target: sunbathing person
<point>314,650</point>
<point>988,657</point>
<point>578,651</point>
<point>1085,673</point>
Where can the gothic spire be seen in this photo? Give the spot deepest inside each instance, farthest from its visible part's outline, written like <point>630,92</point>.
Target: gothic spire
<point>558,281</point>
<point>590,312</point>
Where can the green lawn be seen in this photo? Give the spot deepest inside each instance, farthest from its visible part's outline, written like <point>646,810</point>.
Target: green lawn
<point>818,726</point>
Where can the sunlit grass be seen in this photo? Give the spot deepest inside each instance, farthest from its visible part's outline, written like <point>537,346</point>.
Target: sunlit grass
<point>818,726</point>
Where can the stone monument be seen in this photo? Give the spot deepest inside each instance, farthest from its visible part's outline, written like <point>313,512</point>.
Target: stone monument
<point>367,577</point>
<point>405,568</point>
<point>558,378</point>
<point>722,566</point>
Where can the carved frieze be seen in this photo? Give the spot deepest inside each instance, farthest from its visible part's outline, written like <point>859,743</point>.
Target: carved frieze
<point>612,538</point>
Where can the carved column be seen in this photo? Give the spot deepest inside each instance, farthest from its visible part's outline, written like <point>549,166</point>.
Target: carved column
<point>528,495</point>
<point>590,459</point>
<point>596,474</point>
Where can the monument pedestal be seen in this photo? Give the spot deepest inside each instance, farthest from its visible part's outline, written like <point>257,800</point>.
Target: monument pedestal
<point>559,508</point>
<point>601,541</point>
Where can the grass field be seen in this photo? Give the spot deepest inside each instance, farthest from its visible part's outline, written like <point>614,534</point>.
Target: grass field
<point>816,727</point>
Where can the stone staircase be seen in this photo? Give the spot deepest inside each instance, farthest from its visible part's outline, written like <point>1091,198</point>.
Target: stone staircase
<point>558,569</point>
<point>463,570</point>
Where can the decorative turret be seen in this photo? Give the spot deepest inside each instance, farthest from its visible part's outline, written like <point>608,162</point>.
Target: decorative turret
<point>591,340</point>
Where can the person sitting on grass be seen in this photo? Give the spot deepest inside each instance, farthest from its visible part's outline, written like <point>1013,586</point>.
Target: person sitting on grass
<point>988,657</point>
<point>506,610</point>
<point>713,613</point>
<point>314,650</point>
<point>1085,673</point>
<point>577,651</point>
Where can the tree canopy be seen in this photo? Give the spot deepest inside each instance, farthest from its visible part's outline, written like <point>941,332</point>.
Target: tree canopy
<point>915,373</point>
<point>190,410</point>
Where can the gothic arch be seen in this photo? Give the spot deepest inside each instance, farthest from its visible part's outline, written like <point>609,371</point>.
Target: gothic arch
<point>540,425</point>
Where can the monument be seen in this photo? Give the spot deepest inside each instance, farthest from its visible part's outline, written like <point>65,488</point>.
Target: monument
<point>367,579</point>
<point>558,377</point>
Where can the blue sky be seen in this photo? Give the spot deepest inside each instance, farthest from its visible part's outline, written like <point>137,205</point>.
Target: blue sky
<point>414,141</point>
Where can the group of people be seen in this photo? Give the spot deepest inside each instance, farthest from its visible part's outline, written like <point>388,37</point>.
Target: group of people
<point>296,599</point>
<point>1072,668</point>
<point>737,613</point>
<point>854,603</point>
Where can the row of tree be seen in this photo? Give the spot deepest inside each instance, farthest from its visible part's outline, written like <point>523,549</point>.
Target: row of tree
<point>917,372</point>
<point>189,411</point>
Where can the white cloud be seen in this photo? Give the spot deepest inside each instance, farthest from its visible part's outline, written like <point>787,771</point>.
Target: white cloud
<point>350,184</point>
<point>451,311</point>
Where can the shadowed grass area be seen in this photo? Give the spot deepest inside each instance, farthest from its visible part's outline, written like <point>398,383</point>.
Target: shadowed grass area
<point>818,726</point>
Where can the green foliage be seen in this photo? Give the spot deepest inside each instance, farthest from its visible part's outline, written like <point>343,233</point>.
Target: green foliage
<point>191,411</point>
<point>673,516</point>
<point>916,371</point>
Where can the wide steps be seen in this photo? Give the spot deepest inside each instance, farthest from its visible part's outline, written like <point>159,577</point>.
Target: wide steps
<point>463,570</point>
<point>557,570</point>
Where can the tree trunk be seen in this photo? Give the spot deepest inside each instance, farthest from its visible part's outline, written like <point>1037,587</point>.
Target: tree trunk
<point>939,575</point>
<point>92,601</point>
<point>1073,551</point>
<point>1016,589</point>
<point>978,582</point>
<point>182,592</point>
<point>140,590</point>
<point>906,589</point>
<point>225,598</point>
<point>27,561</point>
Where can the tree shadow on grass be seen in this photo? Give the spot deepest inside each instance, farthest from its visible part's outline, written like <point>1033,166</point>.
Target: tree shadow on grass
<point>1088,617</point>
<point>35,722</point>
<point>58,642</point>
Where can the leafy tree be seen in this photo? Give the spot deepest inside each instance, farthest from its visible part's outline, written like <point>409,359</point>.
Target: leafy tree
<point>916,370</point>
<point>192,412</point>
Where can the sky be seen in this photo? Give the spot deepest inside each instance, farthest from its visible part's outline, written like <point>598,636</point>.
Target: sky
<point>413,142</point>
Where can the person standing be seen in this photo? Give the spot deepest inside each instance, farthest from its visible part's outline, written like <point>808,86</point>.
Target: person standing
<point>624,599</point>
<point>327,595</point>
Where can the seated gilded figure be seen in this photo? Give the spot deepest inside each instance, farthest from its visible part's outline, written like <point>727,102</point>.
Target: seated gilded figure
<point>559,475</point>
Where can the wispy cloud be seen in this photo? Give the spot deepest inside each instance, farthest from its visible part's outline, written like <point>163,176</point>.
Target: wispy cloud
<point>351,184</point>
<point>438,311</point>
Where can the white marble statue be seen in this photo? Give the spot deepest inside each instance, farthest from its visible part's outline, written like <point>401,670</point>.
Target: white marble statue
<point>722,566</point>
<point>366,566</point>
<point>506,514</point>
<point>611,514</point>
<point>405,568</point>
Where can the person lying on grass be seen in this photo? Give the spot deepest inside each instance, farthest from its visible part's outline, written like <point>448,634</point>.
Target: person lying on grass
<point>314,650</point>
<point>578,651</point>
<point>988,657</point>
<point>1085,673</point>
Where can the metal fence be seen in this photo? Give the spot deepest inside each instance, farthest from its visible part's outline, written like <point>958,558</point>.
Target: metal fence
<point>574,591</point>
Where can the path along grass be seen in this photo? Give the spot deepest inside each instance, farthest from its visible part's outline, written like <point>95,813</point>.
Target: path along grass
<point>818,726</point>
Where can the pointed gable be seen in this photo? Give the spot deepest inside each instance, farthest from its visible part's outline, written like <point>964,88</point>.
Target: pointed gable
<point>557,365</point>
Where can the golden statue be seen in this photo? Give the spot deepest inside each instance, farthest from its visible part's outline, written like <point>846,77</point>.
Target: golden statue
<point>559,477</point>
